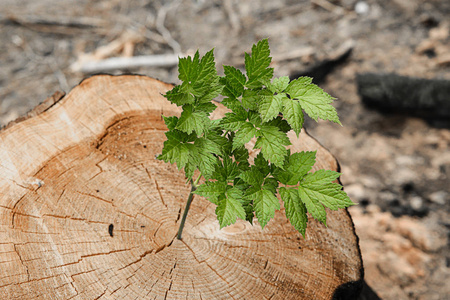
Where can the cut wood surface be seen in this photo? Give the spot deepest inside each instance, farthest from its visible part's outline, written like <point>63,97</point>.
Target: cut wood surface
<point>87,212</point>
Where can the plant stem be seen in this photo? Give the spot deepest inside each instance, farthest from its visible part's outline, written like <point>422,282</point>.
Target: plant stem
<point>188,205</point>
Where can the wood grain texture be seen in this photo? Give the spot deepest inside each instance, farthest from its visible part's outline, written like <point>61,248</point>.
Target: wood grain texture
<point>87,212</point>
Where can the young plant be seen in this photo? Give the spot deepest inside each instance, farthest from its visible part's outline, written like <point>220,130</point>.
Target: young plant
<point>264,108</point>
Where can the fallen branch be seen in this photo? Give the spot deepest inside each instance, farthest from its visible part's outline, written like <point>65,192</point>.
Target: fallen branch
<point>120,63</point>
<point>327,5</point>
<point>54,24</point>
<point>426,98</point>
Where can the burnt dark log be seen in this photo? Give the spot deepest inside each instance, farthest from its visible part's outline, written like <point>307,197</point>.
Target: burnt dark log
<point>391,93</point>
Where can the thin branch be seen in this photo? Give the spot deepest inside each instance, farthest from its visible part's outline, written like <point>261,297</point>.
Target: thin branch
<point>160,19</point>
<point>234,19</point>
<point>327,5</point>
<point>120,63</point>
<point>194,186</point>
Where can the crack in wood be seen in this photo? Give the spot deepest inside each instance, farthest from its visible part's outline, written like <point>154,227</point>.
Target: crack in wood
<point>115,291</point>
<point>106,253</point>
<point>147,217</point>
<point>96,197</point>
<point>25,215</point>
<point>138,260</point>
<point>106,132</point>
<point>170,287</point>
<point>63,172</point>
<point>14,212</point>
<point>178,216</point>
<point>101,295</point>
<point>156,184</point>
<point>156,231</point>
<point>80,273</point>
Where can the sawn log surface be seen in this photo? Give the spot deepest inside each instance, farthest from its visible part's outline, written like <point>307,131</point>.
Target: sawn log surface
<point>87,212</point>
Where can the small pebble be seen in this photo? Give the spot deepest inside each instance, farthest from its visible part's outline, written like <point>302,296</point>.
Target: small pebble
<point>362,8</point>
<point>439,197</point>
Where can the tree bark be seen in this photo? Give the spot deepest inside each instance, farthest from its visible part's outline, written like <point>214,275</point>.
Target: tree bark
<point>87,212</point>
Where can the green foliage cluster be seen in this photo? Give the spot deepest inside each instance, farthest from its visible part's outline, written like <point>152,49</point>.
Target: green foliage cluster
<point>264,108</point>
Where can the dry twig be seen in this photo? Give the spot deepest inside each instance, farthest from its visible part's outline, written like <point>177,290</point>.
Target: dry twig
<point>54,24</point>
<point>234,19</point>
<point>329,6</point>
<point>124,43</point>
<point>120,63</point>
<point>160,18</point>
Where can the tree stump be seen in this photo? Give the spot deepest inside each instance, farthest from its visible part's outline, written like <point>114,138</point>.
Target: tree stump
<point>87,212</point>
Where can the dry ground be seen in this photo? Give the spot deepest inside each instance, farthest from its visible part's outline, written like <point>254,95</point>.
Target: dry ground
<point>397,167</point>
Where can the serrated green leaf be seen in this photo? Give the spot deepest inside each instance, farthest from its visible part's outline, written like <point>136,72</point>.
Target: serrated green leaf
<point>257,65</point>
<point>206,108</point>
<point>249,211</point>
<point>230,208</point>
<point>180,136</point>
<point>190,167</point>
<point>253,176</point>
<point>187,67</point>
<point>255,118</point>
<point>250,99</point>
<point>171,122</point>
<point>200,80</point>
<point>296,167</point>
<point>231,103</point>
<point>295,209</point>
<point>207,67</point>
<point>292,112</point>
<point>203,154</point>
<point>217,142</point>
<point>315,102</point>
<point>272,143</point>
<point>279,122</point>
<point>233,121</point>
<point>227,90</point>
<point>199,74</point>
<point>179,96</point>
<point>330,195</point>
<point>192,120</point>
<point>299,81</point>
<point>240,184</point>
<point>321,177</point>
<point>278,85</point>
<point>270,106</point>
<point>234,81</point>
<point>262,164</point>
<point>176,151</point>
<point>214,88</point>
<point>300,163</point>
<point>264,203</point>
<point>241,157</point>
<point>212,190</point>
<point>246,132</point>
<point>270,184</point>
<point>314,207</point>
<point>319,185</point>
<point>227,170</point>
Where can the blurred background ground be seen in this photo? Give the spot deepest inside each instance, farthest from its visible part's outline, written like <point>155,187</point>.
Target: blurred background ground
<point>396,166</point>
